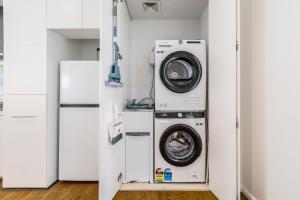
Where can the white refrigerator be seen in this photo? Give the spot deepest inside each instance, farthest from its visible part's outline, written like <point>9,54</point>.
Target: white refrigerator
<point>78,121</point>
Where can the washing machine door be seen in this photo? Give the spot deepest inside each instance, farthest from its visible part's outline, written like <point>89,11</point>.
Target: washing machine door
<point>181,72</point>
<point>180,145</point>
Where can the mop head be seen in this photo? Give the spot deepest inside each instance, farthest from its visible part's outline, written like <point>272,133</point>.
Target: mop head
<point>113,84</point>
<point>114,77</point>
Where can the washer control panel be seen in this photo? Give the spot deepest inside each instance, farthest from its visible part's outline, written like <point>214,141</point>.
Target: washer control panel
<point>174,115</point>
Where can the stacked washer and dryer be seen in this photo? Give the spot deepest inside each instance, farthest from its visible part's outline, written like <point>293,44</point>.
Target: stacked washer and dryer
<point>180,111</point>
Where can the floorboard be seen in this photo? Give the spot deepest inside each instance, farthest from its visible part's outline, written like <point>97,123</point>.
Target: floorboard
<point>89,191</point>
<point>165,196</point>
<point>59,191</point>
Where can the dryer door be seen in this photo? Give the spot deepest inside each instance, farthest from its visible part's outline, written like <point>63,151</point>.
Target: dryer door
<point>180,145</point>
<point>181,72</point>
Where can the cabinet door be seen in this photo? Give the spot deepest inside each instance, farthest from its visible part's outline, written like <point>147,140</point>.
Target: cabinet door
<point>223,101</point>
<point>91,14</point>
<point>24,22</point>
<point>25,70</point>
<point>111,166</point>
<point>24,141</point>
<point>64,14</point>
<point>137,157</point>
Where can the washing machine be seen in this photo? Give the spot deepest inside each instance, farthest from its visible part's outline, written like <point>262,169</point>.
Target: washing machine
<point>180,75</point>
<point>179,147</point>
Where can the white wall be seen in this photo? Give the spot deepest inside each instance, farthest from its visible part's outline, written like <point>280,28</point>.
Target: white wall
<point>144,35</point>
<point>204,24</point>
<point>270,68</point>
<point>124,39</point>
<point>88,49</point>
<point>73,49</point>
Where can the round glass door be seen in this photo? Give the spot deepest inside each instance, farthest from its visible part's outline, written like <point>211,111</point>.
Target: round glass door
<point>180,145</point>
<point>181,72</point>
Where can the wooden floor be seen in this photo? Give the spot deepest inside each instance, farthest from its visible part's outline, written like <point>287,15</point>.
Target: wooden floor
<point>89,191</point>
<point>167,196</point>
<point>59,191</point>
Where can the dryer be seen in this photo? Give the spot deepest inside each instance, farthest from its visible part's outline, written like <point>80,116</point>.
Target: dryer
<point>180,147</point>
<point>180,75</point>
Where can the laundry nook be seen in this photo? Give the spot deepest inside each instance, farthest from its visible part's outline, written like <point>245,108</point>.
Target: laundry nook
<point>176,62</point>
<point>149,100</point>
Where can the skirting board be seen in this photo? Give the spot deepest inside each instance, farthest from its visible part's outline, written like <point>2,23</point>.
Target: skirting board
<point>164,187</point>
<point>247,194</point>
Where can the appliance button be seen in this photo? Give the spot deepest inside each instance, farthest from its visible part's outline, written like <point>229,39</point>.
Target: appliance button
<point>199,124</point>
<point>179,115</point>
<point>190,116</point>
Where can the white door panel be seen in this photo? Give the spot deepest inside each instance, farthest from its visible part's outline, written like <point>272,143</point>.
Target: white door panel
<point>25,70</point>
<point>79,82</point>
<point>78,144</point>
<point>91,14</point>
<point>111,162</point>
<point>137,158</point>
<point>24,141</point>
<point>64,14</point>
<point>222,99</point>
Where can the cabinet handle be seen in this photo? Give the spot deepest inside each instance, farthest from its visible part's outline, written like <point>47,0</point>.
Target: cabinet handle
<point>21,117</point>
<point>137,134</point>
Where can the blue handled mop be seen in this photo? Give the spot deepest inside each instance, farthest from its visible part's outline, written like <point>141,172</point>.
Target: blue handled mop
<point>114,77</point>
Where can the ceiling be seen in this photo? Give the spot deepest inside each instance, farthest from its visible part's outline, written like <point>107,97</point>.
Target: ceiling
<point>169,9</point>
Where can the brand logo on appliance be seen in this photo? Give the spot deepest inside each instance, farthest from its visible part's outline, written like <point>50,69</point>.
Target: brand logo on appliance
<point>163,105</point>
<point>164,115</point>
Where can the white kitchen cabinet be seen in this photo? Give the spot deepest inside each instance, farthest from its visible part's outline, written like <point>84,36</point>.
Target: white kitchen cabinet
<point>24,22</point>
<point>26,160</point>
<point>25,46</point>
<point>137,157</point>
<point>30,98</point>
<point>64,14</point>
<point>91,14</point>
<point>138,146</point>
<point>73,14</point>
<point>25,69</point>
